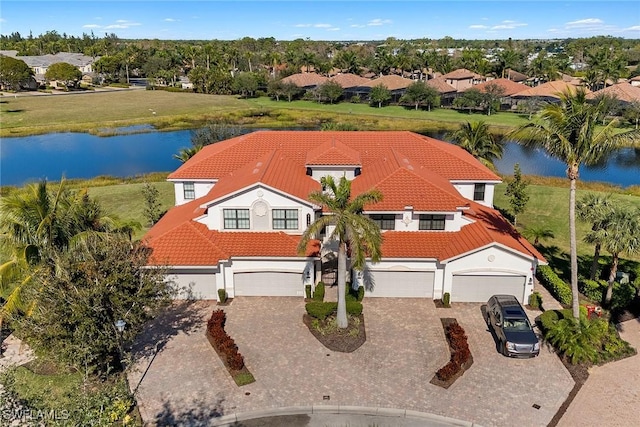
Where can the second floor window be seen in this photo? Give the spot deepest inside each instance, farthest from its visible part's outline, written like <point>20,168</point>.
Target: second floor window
<point>189,191</point>
<point>384,221</point>
<point>478,192</point>
<point>285,219</point>
<point>236,219</point>
<point>431,222</point>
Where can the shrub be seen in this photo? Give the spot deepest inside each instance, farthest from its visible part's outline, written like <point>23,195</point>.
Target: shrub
<point>623,295</point>
<point>354,308</point>
<point>550,280</point>
<point>318,294</point>
<point>222,295</point>
<point>351,294</point>
<point>593,289</point>
<point>460,353</point>
<point>307,291</point>
<point>446,299</point>
<point>320,310</point>
<point>535,300</point>
<point>224,344</point>
<point>360,293</point>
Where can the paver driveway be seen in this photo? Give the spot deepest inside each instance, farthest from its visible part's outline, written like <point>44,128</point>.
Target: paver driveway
<point>405,346</point>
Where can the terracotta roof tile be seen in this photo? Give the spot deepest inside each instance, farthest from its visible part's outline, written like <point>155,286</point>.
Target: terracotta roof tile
<point>392,82</point>
<point>460,74</point>
<point>333,152</point>
<point>622,91</point>
<point>549,89</point>
<point>305,79</point>
<point>509,87</point>
<point>441,85</point>
<point>349,80</point>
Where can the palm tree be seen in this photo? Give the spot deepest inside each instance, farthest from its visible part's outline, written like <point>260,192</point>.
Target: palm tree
<point>594,208</point>
<point>351,229</point>
<point>538,233</point>
<point>568,131</point>
<point>476,139</point>
<point>186,153</point>
<point>35,225</point>
<point>620,233</point>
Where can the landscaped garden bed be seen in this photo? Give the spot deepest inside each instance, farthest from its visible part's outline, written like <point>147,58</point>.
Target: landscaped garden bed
<point>227,349</point>
<point>461,358</point>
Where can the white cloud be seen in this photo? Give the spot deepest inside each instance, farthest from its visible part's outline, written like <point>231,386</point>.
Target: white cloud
<point>323,25</point>
<point>508,25</point>
<point>478,27</point>
<point>378,22</point>
<point>333,29</point>
<point>358,26</point>
<point>170,20</point>
<point>589,22</point>
<point>91,26</point>
<point>302,25</point>
<point>634,28</point>
<point>122,24</point>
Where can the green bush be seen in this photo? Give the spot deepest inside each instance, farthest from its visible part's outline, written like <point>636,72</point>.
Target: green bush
<point>623,295</point>
<point>446,299</point>
<point>307,291</point>
<point>360,293</point>
<point>318,294</point>
<point>535,300</point>
<point>222,295</point>
<point>320,310</point>
<point>593,289</point>
<point>354,308</point>
<point>550,280</point>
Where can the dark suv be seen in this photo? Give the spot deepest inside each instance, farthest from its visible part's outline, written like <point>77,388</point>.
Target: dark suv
<point>508,320</point>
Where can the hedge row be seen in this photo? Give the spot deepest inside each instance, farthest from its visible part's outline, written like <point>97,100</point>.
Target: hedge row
<point>550,280</point>
<point>321,310</point>
<point>460,353</point>
<point>225,345</point>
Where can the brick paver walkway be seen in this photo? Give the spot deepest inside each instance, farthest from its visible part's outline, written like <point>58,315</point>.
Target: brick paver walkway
<point>405,346</point>
<point>611,395</point>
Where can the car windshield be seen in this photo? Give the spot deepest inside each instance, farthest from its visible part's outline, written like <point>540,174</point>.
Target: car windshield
<point>517,325</point>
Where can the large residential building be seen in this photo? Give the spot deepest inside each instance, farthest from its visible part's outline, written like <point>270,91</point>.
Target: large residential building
<point>242,205</point>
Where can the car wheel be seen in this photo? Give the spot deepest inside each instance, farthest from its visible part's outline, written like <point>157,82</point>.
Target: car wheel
<point>488,320</point>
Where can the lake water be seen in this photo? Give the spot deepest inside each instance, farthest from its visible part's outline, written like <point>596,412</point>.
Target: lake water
<point>78,155</point>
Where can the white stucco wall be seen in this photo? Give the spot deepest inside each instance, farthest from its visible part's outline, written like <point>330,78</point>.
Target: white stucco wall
<point>410,221</point>
<point>466,190</point>
<point>201,189</point>
<point>494,261</point>
<point>336,172</point>
<point>260,201</point>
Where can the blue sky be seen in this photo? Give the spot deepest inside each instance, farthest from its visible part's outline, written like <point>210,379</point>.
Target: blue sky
<point>324,20</point>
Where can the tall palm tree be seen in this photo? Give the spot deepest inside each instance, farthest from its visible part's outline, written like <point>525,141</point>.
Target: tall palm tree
<point>594,209</point>
<point>351,229</point>
<point>476,139</point>
<point>620,234</point>
<point>568,131</point>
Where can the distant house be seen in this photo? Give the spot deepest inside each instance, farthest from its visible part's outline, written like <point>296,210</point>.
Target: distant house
<point>515,76</point>
<point>446,91</point>
<point>623,92</point>
<point>548,92</point>
<point>40,64</point>
<point>305,80</point>
<point>396,84</point>
<point>351,84</point>
<point>462,79</point>
<point>508,87</point>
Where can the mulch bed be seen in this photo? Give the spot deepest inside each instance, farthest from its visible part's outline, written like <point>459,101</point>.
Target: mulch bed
<point>446,321</point>
<point>233,372</point>
<point>340,341</point>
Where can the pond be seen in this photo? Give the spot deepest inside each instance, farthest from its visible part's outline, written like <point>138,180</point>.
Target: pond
<point>79,155</point>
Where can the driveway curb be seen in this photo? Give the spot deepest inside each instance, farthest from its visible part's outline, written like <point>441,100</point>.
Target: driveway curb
<point>334,409</point>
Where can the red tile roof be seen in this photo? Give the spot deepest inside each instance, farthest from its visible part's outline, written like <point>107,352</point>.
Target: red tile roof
<point>461,74</point>
<point>409,169</point>
<point>391,82</point>
<point>349,80</point>
<point>549,89</point>
<point>509,87</point>
<point>441,85</point>
<point>622,91</point>
<point>305,79</point>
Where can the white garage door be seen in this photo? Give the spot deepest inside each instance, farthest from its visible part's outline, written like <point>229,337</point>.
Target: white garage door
<point>268,284</point>
<point>402,284</point>
<point>481,288</point>
<point>194,285</point>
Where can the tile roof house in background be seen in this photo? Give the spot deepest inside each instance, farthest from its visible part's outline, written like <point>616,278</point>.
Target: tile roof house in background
<point>40,64</point>
<point>547,91</point>
<point>305,80</point>
<point>623,92</point>
<point>242,205</point>
<point>462,79</point>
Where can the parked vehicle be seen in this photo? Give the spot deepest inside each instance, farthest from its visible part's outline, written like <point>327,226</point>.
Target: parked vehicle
<point>507,318</point>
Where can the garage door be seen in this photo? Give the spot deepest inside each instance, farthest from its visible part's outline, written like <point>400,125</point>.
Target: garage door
<point>195,286</point>
<point>402,284</point>
<point>268,284</point>
<point>481,288</point>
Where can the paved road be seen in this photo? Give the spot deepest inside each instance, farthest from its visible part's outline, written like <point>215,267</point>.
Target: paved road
<point>335,420</point>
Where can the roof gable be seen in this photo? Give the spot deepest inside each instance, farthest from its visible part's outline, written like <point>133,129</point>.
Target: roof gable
<point>621,91</point>
<point>333,152</point>
<point>550,89</point>
<point>391,82</point>
<point>509,87</point>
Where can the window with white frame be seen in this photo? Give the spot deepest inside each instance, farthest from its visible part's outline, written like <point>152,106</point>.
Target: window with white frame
<point>236,219</point>
<point>285,219</point>
<point>431,222</point>
<point>189,190</point>
<point>478,191</point>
